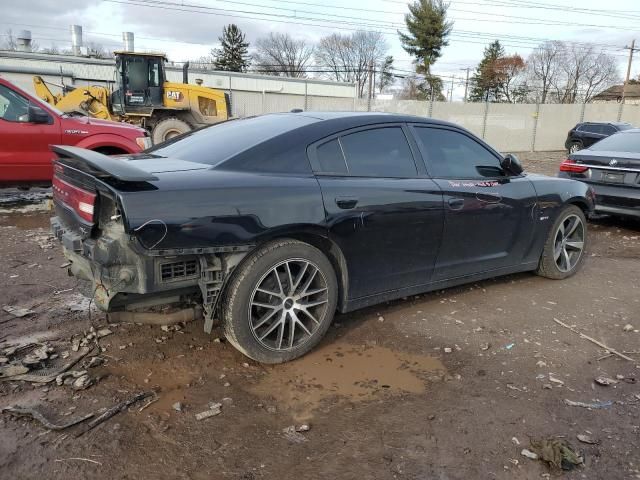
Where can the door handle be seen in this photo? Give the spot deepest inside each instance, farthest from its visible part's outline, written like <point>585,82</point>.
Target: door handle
<point>456,203</point>
<point>346,203</point>
<point>489,197</point>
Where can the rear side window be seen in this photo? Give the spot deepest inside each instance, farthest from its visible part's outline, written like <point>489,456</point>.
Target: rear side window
<point>330,157</point>
<point>452,154</point>
<point>379,152</point>
<point>592,128</point>
<point>608,130</point>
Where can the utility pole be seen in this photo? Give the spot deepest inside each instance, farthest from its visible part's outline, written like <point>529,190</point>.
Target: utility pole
<point>631,49</point>
<point>370,86</point>
<point>451,93</point>
<point>466,83</point>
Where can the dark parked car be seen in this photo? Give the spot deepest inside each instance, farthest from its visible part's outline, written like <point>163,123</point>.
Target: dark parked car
<point>274,222</point>
<point>612,168</point>
<point>585,134</point>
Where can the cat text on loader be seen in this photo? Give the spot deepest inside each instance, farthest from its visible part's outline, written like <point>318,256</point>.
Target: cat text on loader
<point>144,97</point>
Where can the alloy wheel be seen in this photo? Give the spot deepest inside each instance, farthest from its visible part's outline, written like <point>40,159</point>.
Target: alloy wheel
<point>569,243</point>
<point>574,148</point>
<point>288,304</point>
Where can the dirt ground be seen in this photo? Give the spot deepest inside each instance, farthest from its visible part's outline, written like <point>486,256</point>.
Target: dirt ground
<point>448,385</point>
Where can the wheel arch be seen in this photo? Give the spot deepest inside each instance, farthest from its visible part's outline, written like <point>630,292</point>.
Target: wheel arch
<point>316,239</point>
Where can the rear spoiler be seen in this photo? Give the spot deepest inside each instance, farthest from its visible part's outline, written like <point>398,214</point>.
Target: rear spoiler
<point>119,169</point>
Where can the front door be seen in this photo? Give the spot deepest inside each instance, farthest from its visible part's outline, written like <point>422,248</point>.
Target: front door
<point>25,156</point>
<point>382,212</point>
<point>489,217</point>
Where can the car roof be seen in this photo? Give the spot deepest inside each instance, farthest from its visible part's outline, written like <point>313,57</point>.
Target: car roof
<point>366,118</point>
<point>604,123</point>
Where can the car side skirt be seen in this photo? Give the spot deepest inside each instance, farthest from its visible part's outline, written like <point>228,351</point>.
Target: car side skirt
<point>363,302</point>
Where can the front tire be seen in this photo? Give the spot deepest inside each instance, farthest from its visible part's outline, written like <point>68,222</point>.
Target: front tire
<point>563,252</point>
<point>280,302</point>
<point>168,128</point>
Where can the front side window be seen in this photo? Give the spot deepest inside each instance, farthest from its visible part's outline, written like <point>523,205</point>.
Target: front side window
<point>13,107</point>
<point>378,152</point>
<point>608,130</point>
<point>593,128</point>
<point>451,154</point>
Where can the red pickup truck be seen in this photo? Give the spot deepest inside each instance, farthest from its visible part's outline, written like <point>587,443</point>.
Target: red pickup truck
<point>29,126</point>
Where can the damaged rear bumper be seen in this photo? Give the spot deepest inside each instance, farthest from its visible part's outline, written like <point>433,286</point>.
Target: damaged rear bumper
<point>123,277</point>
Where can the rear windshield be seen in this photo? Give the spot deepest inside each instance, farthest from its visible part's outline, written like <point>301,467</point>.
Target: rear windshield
<point>215,144</point>
<point>619,142</point>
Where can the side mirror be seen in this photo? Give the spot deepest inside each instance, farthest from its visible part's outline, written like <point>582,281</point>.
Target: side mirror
<point>511,165</point>
<point>38,115</point>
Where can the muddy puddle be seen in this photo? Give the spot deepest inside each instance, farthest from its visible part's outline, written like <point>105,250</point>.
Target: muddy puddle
<point>24,220</point>
<point>343,372</point>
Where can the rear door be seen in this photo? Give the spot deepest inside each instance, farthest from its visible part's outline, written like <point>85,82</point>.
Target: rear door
<point>591,133</point>
<point>381,209</point>
<point>488,221</point>
<point>24,153</point>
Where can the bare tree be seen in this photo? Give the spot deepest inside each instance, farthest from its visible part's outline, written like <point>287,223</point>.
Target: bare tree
<point>280,54</point>
<point>347,57</point>
<point>544,65</point>
<point>569,72</point>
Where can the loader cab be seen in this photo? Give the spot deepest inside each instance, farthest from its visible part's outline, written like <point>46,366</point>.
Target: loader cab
<point>140,77</point>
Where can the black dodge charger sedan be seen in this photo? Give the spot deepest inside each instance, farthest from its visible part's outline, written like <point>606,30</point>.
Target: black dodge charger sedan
<point>612,168</point>
<point>273,223</point>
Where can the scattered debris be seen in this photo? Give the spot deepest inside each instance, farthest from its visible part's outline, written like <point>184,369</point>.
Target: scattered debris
<point>7,371</point>
<point>17,311</point>
<point>293,435</point>
<point>586,439</point>
<point>595,405</point>
<point>103,332</point>
<point>529,454</point>
<point>592,340</point>
<point>515,441</point>
<point>510,346</point>
<point>605,381</point>
<point>69,377</point>
<point>448,350</point>
<point>94,362</point>
<point>177,406</point>
<point>83,382</point>
<point>65,265</point>
<point>485,346</point>
<point>627,328</point>
<point>381,318</point>
<point>303,428</point>
<point>79,459</point>
<point>113,411</point>
<point>557,452</point>
<point>555,380</point>
<point>19,411</point>
<point>541,363</point>
<point>214,409</point>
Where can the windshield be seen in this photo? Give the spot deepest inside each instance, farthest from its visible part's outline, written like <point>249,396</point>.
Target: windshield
<point>619,142</point>
<point>213,145</point>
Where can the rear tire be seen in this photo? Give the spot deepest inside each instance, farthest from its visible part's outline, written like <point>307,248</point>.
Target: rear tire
<point>563,252</point>
<point>280,301</point>
<point>168,128</point>
<point>575,147</point>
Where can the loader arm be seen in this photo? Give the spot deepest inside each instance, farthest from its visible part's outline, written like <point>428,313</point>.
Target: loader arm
<point>92,101</point>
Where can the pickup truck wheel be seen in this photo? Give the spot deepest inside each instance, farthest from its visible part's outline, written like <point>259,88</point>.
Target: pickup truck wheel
<point>280,301</point>
<point>168,128</point>
<point>563,251</point>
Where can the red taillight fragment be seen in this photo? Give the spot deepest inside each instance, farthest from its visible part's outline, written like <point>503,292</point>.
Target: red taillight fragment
<point>81,201</point>
<point>571,166</point>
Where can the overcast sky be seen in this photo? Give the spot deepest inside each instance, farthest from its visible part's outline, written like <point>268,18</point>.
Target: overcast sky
<point>183,35</point>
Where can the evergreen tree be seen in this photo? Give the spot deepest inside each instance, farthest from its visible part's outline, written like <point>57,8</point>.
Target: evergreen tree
<point>386,74</point>
<point>233,56</point>
<point>428,34</point>
<point>487,79</point>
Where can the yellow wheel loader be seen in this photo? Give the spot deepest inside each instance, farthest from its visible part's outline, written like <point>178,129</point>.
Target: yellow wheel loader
<point>144,97</point>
